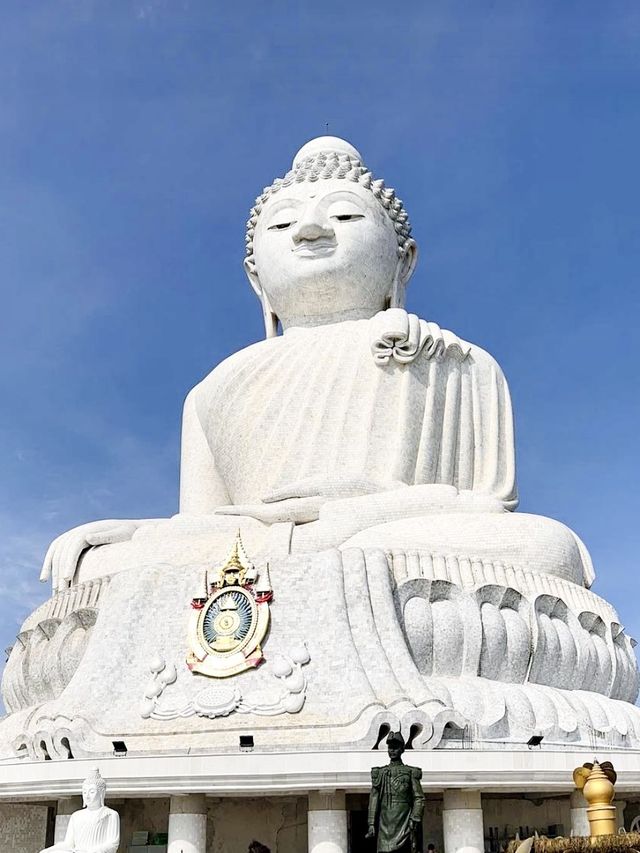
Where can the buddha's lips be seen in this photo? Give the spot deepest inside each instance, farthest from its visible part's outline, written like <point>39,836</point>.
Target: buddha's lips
<point>315,249</point>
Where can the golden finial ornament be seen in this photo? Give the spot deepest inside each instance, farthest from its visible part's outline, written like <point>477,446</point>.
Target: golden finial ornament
<point>596,781</point>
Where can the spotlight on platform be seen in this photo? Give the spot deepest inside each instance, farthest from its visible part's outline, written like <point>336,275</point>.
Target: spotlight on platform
<point>534,741</point>
<point>246,743</point>
<point>119,748</point>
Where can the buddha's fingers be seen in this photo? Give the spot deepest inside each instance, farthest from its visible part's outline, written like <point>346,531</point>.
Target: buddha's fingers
<point>67,556</point>
<point>301,489</point>
<point>65,551</point>
<point>47,564</point>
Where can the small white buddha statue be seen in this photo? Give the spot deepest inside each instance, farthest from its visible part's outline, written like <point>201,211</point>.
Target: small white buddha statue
<point>95,828</point>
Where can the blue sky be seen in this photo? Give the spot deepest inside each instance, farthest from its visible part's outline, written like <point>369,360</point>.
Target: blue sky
<point>134,137</point>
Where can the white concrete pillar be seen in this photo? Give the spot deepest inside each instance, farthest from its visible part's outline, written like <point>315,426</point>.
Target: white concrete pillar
<point>462,825</point>
<point>188,824</point>
<point>327,822</point>
<point>66,807</point>
<point>620,807</point>
<point>579,819</point>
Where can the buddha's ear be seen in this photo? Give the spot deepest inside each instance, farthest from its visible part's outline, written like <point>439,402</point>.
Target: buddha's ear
<point>270,319</point>
<point>252,275</point>
<point>404,270</point>
<point>408,261</point>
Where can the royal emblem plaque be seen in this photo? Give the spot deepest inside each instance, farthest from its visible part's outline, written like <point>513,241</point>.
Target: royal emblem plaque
<point>228,625</point>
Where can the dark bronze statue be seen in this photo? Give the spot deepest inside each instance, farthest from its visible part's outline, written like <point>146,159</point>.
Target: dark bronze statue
<point>396,803</point>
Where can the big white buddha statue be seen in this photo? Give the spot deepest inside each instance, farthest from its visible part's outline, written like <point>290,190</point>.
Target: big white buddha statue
<point>95,828</point>
<point>355,422</point>
<point>367,456</point>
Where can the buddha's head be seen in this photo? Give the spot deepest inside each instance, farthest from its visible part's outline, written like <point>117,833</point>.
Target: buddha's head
<point>327,242</point>
<point>94,790</point>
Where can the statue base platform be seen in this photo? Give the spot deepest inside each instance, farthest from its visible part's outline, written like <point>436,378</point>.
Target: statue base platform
<point>360,642</point>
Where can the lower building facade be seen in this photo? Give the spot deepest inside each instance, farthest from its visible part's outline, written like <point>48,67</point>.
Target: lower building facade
<point>307,802</point>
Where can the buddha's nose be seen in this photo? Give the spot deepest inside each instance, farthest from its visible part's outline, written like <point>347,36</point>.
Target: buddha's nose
<point>312,226</point>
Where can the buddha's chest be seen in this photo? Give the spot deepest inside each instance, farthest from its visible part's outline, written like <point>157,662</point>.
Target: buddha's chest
<point>88,825</point>
<point>316,410</point>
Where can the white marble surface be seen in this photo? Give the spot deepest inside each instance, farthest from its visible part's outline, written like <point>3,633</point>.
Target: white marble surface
<point>327,823</point>
<point>462,824</point>
<point>187,825</point>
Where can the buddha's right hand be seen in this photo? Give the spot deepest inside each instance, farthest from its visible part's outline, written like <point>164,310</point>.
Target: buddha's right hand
<point>294,510</point>
<point>61,560</point>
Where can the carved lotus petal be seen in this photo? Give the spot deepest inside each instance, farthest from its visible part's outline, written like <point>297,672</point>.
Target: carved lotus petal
<point>300,654</point>
<point>153,689</point>
<point>294,702</point>
<point>169,674</point>
<point>146,708</point>
<point>281,667</point>
<point>296,682</point>
<point>157,664</point>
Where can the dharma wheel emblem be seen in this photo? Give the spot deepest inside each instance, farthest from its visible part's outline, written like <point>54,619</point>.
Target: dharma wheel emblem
<point>230,622</point>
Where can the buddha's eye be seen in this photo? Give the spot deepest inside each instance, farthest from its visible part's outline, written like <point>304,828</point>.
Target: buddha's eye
<point>280,226</point>
<point>348,217</point>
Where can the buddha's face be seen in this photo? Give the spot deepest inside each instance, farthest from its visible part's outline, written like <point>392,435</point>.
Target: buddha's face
<point>91,795</point>
<point>326,249</point>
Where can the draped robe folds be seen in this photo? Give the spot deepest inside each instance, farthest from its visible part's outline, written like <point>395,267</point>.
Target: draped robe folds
<point>318,403</point>
<point>90,831</point>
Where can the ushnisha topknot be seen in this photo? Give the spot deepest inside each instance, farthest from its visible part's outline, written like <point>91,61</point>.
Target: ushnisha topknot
<point>331,157</point>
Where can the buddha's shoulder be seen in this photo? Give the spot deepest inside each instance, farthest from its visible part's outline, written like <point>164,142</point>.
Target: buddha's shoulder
<point>231,367</point>
<point>476,354</point>
<point>459,350</point>
<point>85,815</point>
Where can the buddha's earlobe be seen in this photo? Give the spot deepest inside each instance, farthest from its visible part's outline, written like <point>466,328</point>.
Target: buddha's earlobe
<point>404,270</point>
<point>269,317</point>
<point>268,314</point>
<point>396,299</point>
